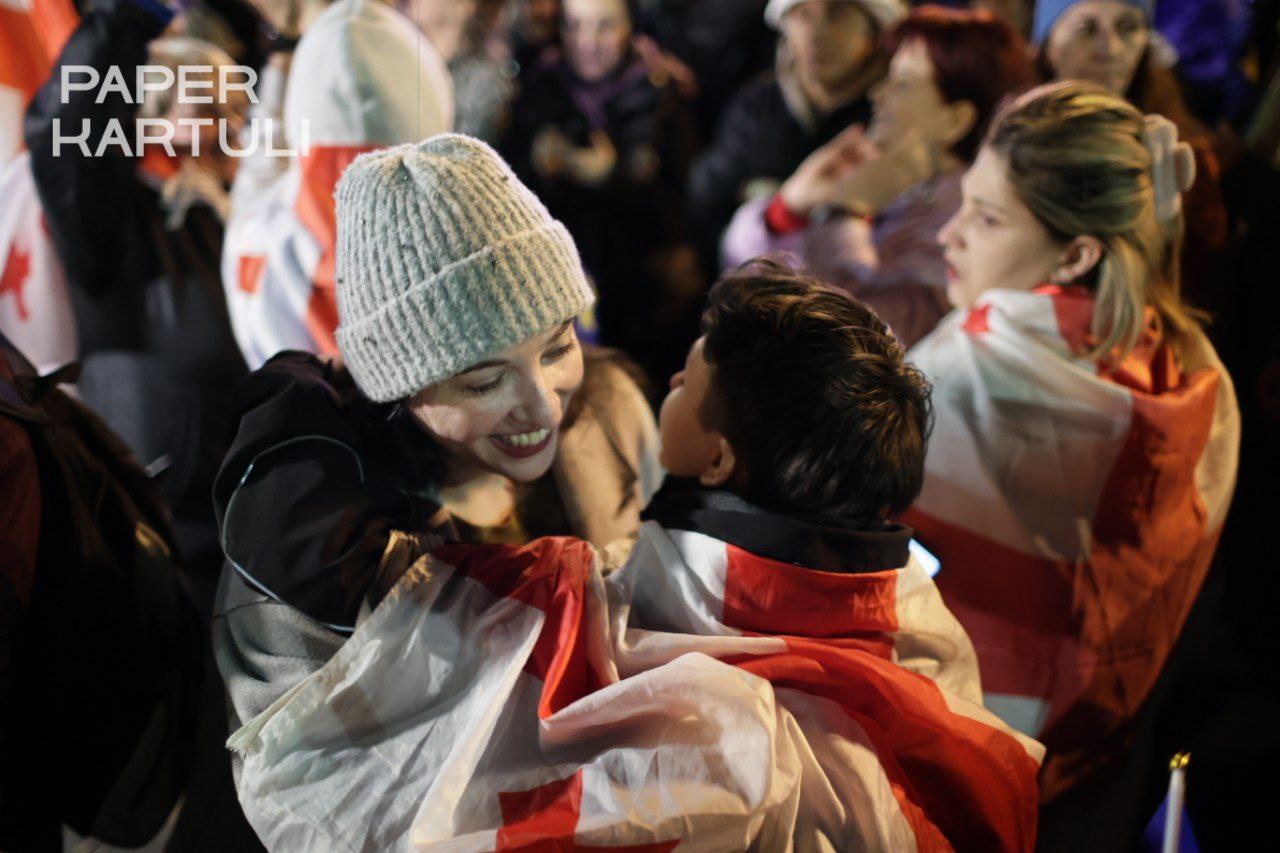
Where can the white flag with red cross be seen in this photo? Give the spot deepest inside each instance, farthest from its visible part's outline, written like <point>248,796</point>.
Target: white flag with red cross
<point>1075,509</point>
<point>700,698</point>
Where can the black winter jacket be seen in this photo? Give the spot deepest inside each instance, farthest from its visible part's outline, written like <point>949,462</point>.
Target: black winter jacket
<point>156,342</point>
<point>759,137</point>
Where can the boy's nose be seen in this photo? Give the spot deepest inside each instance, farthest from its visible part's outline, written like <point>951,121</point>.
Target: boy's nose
<point>677,379</point>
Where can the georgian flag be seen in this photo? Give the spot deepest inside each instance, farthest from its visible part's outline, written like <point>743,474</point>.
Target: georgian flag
<point>32,33</point>
<point>1075,513</point>
<point>363,77</point>
<point>35,308</point>
<point>700,698</point>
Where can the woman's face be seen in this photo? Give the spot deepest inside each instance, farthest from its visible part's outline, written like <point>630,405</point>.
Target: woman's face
<point>503,415</point>
<point>595,36</point>
<point>829,39</point>
<point>908,99</point>
<point>994,240</point>
<point>1100,41</point>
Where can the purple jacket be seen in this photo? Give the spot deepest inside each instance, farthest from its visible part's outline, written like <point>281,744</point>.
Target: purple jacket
<point>894,265</point>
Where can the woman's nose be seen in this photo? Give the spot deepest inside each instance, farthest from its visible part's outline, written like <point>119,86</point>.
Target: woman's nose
<point>540,401</point>
<point>946,231</point>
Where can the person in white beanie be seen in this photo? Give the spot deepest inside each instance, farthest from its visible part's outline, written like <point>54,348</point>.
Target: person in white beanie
<point>462,403</point>
<point>828,59</point>
<point>389,86</point>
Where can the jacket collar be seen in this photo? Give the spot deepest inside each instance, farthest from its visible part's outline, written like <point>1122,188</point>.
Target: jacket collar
<point>823,543</point>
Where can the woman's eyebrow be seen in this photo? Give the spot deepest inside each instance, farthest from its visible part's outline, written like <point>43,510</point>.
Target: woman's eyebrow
<point>556,333</point>
<point>981,202</point>
<point>481,366</point>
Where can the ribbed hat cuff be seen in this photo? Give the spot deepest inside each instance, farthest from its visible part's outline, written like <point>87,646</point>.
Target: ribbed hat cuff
<point>503,294</point>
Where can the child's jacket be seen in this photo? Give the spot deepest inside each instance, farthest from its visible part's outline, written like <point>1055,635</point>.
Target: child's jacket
<point>703,697</point>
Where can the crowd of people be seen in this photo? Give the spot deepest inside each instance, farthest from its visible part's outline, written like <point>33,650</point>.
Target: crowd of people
<point>733,424</point>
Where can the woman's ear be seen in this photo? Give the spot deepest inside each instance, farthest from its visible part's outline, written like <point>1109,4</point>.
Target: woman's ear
<point>1081,255</point>
<point>718,471</point>
<point>961,117</point>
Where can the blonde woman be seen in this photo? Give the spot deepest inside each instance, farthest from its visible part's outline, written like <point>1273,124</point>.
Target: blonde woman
<point>1086,439</point>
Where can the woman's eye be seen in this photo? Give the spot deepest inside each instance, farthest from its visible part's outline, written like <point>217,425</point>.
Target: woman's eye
<point>559,352</point>
<point>484,388</point>
<point>988,220</point>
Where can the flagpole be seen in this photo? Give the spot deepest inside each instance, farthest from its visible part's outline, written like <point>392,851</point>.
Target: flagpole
<point>1174,801</point>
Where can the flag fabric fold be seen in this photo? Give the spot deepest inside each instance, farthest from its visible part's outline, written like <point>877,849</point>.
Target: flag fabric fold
<point>1075,509</point>
<point>504,699</point>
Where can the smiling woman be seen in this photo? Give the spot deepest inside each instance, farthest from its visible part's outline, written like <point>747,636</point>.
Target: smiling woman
<point>463,404</point>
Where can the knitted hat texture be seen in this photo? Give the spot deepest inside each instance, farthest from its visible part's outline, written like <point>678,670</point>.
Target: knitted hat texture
<point>444,258</point>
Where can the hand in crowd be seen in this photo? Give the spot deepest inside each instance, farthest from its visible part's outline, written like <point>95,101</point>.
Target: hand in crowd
<point>851,173</point>
<point>554,155</point>
<point>1173,167</point>
<point>811,185</point>
<point>883,175</point>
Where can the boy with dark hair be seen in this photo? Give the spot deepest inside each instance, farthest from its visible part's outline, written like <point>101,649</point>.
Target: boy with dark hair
<point>799,400</point>
<point>769,669</point>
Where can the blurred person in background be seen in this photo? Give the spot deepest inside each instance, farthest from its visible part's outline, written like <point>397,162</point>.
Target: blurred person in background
<point>482,90</point>
<point>534,28</point>
<point>828,57</point>
<point>606,144</point>
<point>863,211</point>
<point>722,43</point>
<point>1110,43</point>
<point>140,238</point>
<point>278,260</point>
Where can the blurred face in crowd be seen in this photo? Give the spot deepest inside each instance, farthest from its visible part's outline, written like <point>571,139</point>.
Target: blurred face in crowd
<point>595,34</point>
<point>538,19</point>
<point>829,39</point>
<point>688,448</point>
<point>908,99</point>
<point>503,415</point>
<point>1101,41</point>
<point>994,240</point>
<point>443,22</point>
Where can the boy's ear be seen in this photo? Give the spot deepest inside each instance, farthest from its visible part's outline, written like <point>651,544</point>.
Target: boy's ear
<point>721,467</point>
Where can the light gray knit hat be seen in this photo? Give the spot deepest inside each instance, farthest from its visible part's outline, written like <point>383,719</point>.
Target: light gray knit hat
<point>443,259</point>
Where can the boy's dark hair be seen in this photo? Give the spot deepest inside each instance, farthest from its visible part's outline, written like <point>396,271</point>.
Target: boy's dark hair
<point>815,396</point>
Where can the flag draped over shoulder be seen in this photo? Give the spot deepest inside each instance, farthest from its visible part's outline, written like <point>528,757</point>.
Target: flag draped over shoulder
<point>363,77</point>
<point>700,698</point>
<point>1075,512</point>
<point>35,307</point>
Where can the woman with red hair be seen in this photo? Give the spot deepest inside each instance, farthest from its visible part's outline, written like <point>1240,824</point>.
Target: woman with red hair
<point>864,210</point>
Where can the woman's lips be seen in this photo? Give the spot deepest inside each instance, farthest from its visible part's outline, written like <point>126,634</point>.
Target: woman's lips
<point>523,445</point>
<point>952,275</point>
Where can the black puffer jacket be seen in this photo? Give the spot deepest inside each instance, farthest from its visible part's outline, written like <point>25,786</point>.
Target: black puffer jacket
<point>158,351</point>
<point>759,137</point>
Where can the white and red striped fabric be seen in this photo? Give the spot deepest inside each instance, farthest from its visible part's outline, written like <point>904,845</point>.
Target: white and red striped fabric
<point>1075,513</point>
<point>35,307</point>
<point>35,304</point>
<point>32,33</point>
<point>363,77</point>
<point>701,698</point>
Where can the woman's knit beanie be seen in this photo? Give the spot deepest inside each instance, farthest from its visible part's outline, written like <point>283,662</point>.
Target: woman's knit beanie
<point>444,258</point>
